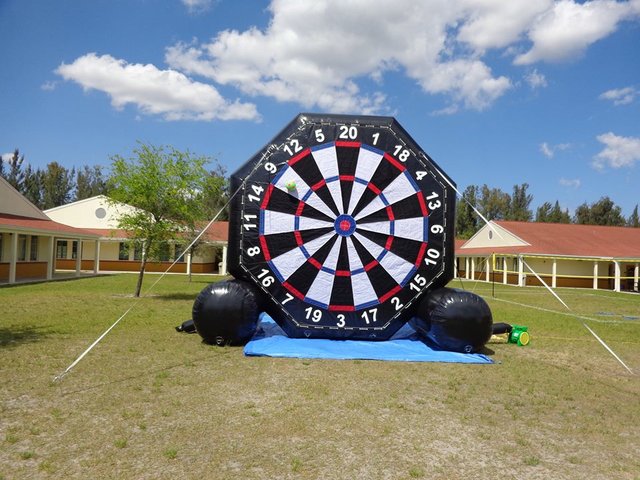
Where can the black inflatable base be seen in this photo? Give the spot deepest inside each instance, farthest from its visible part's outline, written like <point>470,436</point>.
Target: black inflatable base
<point>226,313</point>
<point>454,320</point>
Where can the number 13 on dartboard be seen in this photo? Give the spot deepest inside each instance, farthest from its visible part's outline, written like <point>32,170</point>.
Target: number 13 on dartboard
<point>343,224</point>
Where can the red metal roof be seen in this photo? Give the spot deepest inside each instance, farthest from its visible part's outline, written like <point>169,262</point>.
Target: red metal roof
<point>15,222</point>
<point>561,239</point>
<point>218,232</point>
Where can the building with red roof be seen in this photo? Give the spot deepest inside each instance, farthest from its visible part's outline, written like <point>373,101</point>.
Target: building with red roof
<point>560,255</point>
<point>28,239</point>
<point>115,251</point>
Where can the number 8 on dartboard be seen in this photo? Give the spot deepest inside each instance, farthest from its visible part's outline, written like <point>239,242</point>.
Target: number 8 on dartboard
<point>343,222</point>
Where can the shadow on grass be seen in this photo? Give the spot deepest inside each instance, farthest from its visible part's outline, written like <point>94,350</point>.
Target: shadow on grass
<point>14,336</point>
<point>177,296</point>
<point>487,351</point>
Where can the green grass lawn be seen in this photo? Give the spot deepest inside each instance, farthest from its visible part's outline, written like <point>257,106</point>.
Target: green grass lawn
<point>149,402</point>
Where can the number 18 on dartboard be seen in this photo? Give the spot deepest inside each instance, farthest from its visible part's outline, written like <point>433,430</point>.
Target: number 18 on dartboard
<point>343,223</point>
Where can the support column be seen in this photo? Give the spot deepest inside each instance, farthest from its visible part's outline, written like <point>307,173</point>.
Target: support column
<point>595,275</point>
<point>488,272</point>
<point>96,257</point>
<point>78,257</point>
<point>554,273</point>
<point>13,256</point>
<point>51,258</point>
<point>473,268</point>
<point>521,281</point>
<point>224,261</point>
<point>505,277</point>
<point>616,281</point>
<point>188,260</point>
<point>636,277</point>
<point>466,268</point>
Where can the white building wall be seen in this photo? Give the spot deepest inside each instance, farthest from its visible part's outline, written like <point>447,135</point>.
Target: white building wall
<point>93,212</point>
<point>109,250</point>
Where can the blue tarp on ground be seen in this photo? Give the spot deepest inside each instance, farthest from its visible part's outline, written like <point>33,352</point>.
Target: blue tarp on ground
<point>405,346</point>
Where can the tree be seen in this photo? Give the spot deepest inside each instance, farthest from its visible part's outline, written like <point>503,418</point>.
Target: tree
<point>519,204</point>
<point>494,203</point>
<point>634,220</point>
<point>558,215</point>
<point>548,213</point>
<point>215,194</point>
<point>90,182</point>
<point>466,218</point>
<point>543,212</point>
<point>32,186</point>
<point>166,186</point>
<point>15,175</point>
<point>602,212</point>
<point>57,184</point>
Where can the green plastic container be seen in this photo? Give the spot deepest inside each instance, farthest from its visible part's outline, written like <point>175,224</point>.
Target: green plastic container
<point>519,335</point>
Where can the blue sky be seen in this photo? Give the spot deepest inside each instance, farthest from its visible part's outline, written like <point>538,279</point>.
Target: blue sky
<point>502,93</point>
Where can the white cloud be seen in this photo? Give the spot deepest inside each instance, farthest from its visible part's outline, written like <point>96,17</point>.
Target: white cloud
<point>536,79</point>
<point>546,150</point>
<point>618,152</point>
<point>498,24</point>
<point>334,55</point>
<point>49,86</point>
<point>7,157</point>
<point>571,183</point>
<point>196,6</point>
<point>550,150</point>
<point>439,44</point>
<point>155,92</point>
<point>620,96</point>
<point>318,62</point>
<point>566,29</point>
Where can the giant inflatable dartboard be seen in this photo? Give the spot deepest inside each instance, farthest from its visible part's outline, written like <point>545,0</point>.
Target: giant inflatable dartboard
<point>344,223</point>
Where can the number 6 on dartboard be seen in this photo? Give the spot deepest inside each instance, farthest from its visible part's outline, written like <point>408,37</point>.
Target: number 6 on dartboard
<point>343,224</point>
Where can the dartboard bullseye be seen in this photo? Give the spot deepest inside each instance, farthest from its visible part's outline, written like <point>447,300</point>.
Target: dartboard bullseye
<point>344,223</point>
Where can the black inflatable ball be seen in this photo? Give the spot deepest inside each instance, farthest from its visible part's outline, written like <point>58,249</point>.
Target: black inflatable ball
<point>454,320</point>
<point>226,313</point>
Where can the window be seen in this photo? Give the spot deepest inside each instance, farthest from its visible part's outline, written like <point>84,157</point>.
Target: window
<point>123,252</point>
<point>22,248</point>
<point>74,250</point>
<point>137,251</point>
<point>61,249</point>
<point>163,252</point>
<point>178,251</point>
<point>33,255</point>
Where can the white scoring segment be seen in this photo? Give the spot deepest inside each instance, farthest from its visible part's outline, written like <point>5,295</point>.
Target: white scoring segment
<point>320,290</point>
<point>327,162</point>
<point>395,266</point>
<point>289,176</point>
<point>354,259</point>
<point>399,189</point>
<point>290,261</point>
<point>302,190</point>
<point>331,261</point>
<point>368,162</point>
<point>410,228</point>
<point>378,227</point>
<point>279,222</point>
